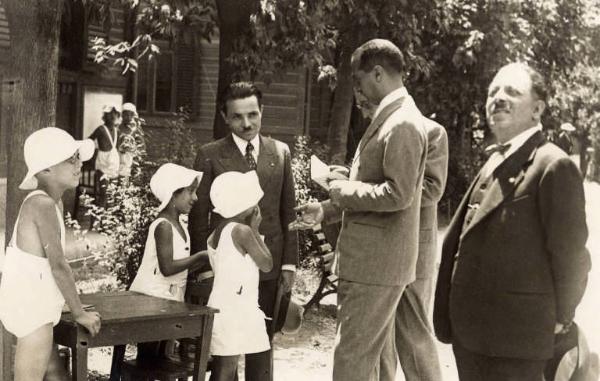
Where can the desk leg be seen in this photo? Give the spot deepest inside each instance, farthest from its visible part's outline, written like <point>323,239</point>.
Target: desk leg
<point>79,362</point>
<point>202,348</point>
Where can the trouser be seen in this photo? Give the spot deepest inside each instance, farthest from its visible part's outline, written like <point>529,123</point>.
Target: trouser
<point>365,326</point>
<point>415,343</point>
<point>477,367</point>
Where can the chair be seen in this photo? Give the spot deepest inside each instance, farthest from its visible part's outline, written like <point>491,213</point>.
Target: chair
<point>86,183</point>
<point>325,256</point>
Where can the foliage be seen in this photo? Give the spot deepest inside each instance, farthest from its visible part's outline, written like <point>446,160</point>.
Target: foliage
<point>132,206</point>
<point>176,20</point>
<point>577,101</point>
<point>306,189</point>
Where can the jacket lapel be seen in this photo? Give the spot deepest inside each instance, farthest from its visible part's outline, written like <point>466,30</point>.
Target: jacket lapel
<point>507,176</point>
<point>231,158</point>
<point>266,161</point>
<point>376,124</point>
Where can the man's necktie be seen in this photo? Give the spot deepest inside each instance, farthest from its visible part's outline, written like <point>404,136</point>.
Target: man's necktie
<point>489,150</point>
<point>495,154</point>
<point>250,156</point>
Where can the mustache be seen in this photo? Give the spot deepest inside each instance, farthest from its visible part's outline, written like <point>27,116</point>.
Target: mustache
<point>500,106</point>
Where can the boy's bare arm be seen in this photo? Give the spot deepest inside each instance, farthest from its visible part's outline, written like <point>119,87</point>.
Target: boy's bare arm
<point>163,236</point>
<point>48,228</point>
<point>252,243</point>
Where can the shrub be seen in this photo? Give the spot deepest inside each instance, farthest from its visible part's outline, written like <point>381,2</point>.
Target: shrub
<point>306,190</point>
<point>132,206</point>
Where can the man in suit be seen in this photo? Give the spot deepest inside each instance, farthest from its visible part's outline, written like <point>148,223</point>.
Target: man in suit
<point>415,344</point>
<point>379,208</point>
<point>243,150</point>
<point>514,264</point>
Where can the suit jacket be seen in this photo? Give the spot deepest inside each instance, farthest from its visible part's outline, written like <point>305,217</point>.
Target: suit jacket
<point>379,204</point>
<point>521,265</point>
<point>277,205</point>
<point>434,183</point>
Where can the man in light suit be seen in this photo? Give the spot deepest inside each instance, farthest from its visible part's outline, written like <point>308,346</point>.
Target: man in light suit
<point>243,150</point>
<point>379,204</point>
<point>514,264</point>
<point>415,344</point>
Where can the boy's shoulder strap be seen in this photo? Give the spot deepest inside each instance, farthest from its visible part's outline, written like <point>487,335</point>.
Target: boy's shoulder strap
<point>29,195</point>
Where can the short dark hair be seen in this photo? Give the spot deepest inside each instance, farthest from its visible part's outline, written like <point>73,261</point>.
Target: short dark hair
<point>379,52</point>
<point>239,90</point>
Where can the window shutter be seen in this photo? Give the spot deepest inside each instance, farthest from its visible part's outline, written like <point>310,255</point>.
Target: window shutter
<point>184,58</point>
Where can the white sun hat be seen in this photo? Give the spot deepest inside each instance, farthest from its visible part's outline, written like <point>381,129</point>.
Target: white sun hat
<point>233,192</point>
<point>170,177</point>
<point>129,107</point>
<point>49,146</point>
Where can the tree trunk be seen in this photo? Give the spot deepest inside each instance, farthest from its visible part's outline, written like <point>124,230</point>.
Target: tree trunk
<point>234,20</point>
<point>29,101</point>
<point>341,109</point>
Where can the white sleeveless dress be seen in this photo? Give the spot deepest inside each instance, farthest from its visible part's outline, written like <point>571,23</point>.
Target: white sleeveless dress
<point>239,327</point>
<point>149,280</point>
<point>29,295</point>
<point>109,161</point>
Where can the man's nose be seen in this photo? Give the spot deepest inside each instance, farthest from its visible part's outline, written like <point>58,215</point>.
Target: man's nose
<point>246,122</point>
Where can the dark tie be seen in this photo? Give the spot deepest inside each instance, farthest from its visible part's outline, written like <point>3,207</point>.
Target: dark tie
<point>250,156</point>
<point>489,150</point>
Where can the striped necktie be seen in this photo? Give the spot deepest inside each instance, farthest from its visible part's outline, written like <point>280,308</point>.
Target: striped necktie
<point>250,156</point>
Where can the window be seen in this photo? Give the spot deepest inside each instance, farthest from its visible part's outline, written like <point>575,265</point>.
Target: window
<point>156,83</point>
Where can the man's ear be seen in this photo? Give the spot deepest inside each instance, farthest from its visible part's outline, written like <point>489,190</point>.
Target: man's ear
<point>378,73</point>
<point>540,106</point>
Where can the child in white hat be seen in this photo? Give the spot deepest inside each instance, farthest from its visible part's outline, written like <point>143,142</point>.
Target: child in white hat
<point>167,259</point>
<point>237,253</point>
<point>107,162</point>
<point>164,268</point>
<point>36,279</point>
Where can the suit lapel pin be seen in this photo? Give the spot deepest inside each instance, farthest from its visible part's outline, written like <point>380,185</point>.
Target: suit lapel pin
<point>271,164</point>
<point>512,180</point>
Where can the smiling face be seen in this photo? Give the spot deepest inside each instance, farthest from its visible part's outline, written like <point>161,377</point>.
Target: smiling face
<point>183,199</point>
<point>243,117</point>
<point>512,106</point>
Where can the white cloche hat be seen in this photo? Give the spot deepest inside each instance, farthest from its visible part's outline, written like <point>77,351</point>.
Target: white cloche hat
<point>170,177</point>
<point>233,192</point>
<point>129,107</point>
<point>49,146</point>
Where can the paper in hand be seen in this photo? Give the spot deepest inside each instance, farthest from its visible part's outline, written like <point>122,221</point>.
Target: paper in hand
<point>320,173</point>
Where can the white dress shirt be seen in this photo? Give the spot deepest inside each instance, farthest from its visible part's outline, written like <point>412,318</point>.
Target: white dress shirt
<point>242,144</point>
<point>515,143</point>
<point>400,92</point>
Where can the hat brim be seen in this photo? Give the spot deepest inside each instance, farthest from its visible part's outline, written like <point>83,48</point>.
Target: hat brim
<point>86,149</point>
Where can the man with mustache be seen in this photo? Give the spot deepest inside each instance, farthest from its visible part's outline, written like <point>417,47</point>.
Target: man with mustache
<point>243,150</point>
<point>514,264</point>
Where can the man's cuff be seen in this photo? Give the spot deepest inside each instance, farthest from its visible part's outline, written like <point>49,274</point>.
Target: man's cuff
<point>291,268</point>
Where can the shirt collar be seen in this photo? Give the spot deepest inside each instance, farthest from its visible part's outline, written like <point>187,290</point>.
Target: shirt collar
<point>241,143</point>
<point>400,92</point>
<point>519,140</point>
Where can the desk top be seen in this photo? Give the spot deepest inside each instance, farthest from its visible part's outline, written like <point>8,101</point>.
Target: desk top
<point>115,307</point>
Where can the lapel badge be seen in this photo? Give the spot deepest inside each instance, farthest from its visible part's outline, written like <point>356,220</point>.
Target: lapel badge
<point>512,180</point>
<point>271,164</point>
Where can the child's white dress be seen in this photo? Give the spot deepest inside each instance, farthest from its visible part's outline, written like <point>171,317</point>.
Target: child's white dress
<point>239,327</point>
<point>149,280</point>
<point>29,296</point>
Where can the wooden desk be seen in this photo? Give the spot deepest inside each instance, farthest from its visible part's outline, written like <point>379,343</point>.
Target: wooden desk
<point>130,317</point>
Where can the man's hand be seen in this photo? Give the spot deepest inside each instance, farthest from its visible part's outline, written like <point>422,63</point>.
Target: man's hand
<point>560,329</point>
<point>335,191</point>
<point>311,214</point>
<point>90,320</point>
<point>287,280</point>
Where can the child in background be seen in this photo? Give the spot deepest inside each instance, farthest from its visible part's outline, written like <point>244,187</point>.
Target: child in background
<point>236,252</point>
<point>107,163</point>
<point>36,279</point>
<point>164,268</point>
